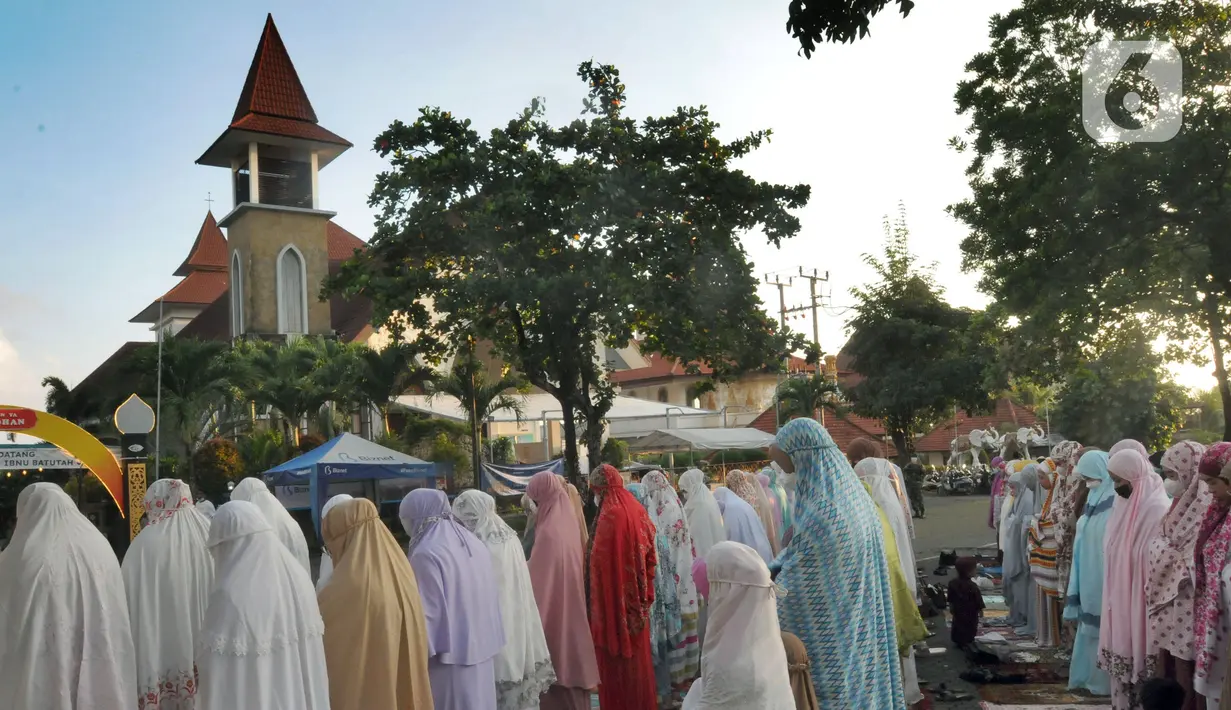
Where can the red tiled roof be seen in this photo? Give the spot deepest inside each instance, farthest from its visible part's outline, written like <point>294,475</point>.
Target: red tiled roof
<point>209,251</point>
<point>342,244</point>
<point>844,429</point>
<point>1006,412</point>
<point>198,288</point>
<point>273,100</point>
<point>663,367</point>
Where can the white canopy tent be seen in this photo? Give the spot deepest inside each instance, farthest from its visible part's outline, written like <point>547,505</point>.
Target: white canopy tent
<point>703,440</point>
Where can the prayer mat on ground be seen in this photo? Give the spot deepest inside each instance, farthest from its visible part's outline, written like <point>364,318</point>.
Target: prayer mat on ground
<point>1053,672</point>
<point>1035,695</point>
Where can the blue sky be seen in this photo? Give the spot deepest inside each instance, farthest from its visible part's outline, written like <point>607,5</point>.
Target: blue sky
<point>104,109</point>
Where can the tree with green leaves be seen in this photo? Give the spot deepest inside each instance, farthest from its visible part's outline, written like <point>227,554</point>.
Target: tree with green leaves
<point>1075,238</point>
<point>812,22</point>
<point>918,356</point>
<point>1124,392</point>
<point>479,395</point>
<point>76,405</point>
<point>553,242</point>
<point>280,377</point>
<point>806,396</point>
<point>387,373</point>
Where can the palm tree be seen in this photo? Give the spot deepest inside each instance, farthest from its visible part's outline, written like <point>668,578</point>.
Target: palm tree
<point>479,396</point>
<point>387,373</point>
<point>807,396</point>
<point>75,405</point>
<point>280,377</point>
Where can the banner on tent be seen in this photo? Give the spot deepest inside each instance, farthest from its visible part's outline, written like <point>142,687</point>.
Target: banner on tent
<point>512,480</point>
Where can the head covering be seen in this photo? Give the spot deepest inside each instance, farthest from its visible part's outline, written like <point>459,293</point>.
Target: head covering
<point>876,474</point>
<point>456,582</point>
<point>254,490</point>
<point>775,504</point>
<point>1130,445</point>
<point>675,557</point>
<point>744,663</point>
<point>837,574</point>
<point>704,518</point>
<point>782,496</point>
<point>898,479</point>
<point>622,565</point>
<point>1085,588</point>
<point>863,448</point>
<point>326,570</point>
<point>558,578</point>
<point>742,524</point>
<point>1025,485</point>
<point>375,633</point>
<point>168,573</point>
<point>800,672</point>
<point>60,581</point>
<point>1134,523</point>
<point>1171,552</point>
<point>701,578</point>
<point>262,635</point>
<point>574,498</point>
<point>207,508</point>
<point>1211,555</point>
<point>523,666</point>
<point>742,484</point>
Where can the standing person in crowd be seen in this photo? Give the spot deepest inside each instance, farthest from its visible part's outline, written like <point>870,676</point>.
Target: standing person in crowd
<point>1169,591</point>
<point>743,485</point>
<point>1069,499</point>
<point>523,667</point>
<point>574,497</point>
<point>864,448</point>
<point>744,664</point>
<point>775,505</point>
<point>1135,520</point>
<point>681,649</point>
<point>532,514</point>
<point>965,604</point>
<point>997,493</point>
<point>778,494</point>
<point>254,490</point>
<point>58,573</point>
<point>837,573</point>
<point>876,475</point>
<point>557,576</point>
<point>460,602</point>
<point>206,507</point>
<point>168,574</point>
<point>1018,585</point>
<point>800,670</point>
<point>914,489</point>
<point>1084,593</point>
<point>665,620</point>
<point>262,639</point>
<point>701,510</point>
<point>375,632</point>
<point>1042,545</point>
<point>742,524</point>
<point>1130,445</point>
<point>622,565</point>
<point>1212,580</point>
<point>326,571</point>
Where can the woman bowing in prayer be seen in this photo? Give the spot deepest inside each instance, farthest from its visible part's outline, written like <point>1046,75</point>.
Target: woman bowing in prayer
<point>622,564</point>
<point>460,602</point>
<point>558,579</point>
<point>1169,592</point>
<point>523,667</point>
<point>680,649</point>
<point>837,575</point>
<point>261,642</point>
<point>744,664</point>
<point>704,517</point>
<point>58,574</point>
<point>254,490</point>
<point>745,486</point>
<point>168,574</point>
<point>742,524</point>
<point>326,572</point>
<point>1136,517</point>
<point>1213,580</point>
<point>1084,593</point>
<point>877,477</point>
<point>375,632</point>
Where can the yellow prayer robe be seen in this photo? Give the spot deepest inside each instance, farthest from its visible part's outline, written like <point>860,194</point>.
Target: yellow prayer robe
<point>906,617</point>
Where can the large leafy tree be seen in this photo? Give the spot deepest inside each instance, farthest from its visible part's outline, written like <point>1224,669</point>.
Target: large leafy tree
<point>918,356</point>
<point>1075,238</point>
<point>806,396</point>
<point>815,21</point>
<point>1124,392</point>
<point>551,242</point>
<point>79,406</point>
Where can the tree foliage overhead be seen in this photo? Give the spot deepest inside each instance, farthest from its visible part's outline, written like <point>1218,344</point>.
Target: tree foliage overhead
<point>1074,237</point>
<point>552,241</point>
<point>1124,392</point>
<point>918,356</point>
<point>812,22</point>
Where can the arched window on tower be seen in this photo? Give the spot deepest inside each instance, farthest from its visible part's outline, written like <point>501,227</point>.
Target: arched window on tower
<point>292,292</point>
<point>237,296</point>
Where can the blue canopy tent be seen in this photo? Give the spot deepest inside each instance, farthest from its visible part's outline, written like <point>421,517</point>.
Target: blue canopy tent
<point>348,458</point>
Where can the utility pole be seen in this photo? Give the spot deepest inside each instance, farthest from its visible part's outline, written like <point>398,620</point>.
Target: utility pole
<point>782,320</point>
<point>816,304</point>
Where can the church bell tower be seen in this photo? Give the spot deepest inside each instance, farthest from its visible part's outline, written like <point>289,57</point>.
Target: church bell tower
<point>276,230</point>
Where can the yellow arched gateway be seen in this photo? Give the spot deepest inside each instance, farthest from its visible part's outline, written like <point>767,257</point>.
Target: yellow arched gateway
<point>76,441</point>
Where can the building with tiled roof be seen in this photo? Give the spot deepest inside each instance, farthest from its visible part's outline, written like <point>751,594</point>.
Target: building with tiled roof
<point>1006,417</point>
<point>844,428</point>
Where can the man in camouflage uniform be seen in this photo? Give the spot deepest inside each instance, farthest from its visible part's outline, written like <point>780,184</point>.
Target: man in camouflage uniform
<point>913,473</point>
